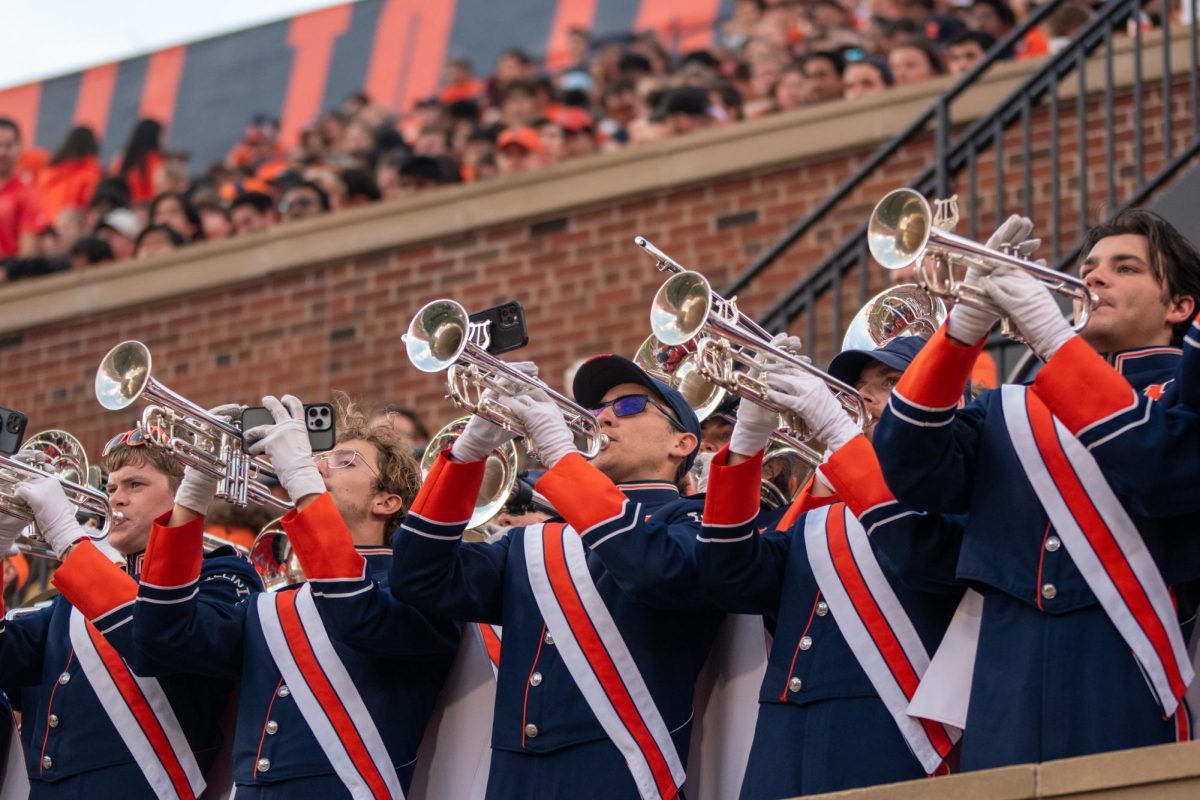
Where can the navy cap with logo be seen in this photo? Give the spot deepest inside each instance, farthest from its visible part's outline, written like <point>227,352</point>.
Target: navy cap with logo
<point>600,373</point>
<point>896,354</point>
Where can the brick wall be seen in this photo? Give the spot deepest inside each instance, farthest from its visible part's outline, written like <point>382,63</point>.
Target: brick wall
<point>585,286</point>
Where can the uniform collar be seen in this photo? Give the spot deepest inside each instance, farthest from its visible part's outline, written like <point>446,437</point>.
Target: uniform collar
<point>133,564</point>
<point>373,552</point>
<point>650,493</point>
<point>1143,365</point>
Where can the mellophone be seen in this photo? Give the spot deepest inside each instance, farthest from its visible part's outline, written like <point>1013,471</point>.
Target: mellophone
<point>700,344</point>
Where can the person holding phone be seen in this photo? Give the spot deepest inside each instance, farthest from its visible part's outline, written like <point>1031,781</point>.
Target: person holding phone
<point>605,626</point>
<point>338,677</point>
<point>100,717</point>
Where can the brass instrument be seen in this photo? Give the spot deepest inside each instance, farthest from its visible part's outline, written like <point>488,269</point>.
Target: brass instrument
<point>903,231</point>
<point>678,367</point>
<point>441,337</point>
<point>198,439</point>
<point>499,476</point>
<point>785,471</point>
<point>904,310</point>
<point>274,559</point>
<point>60,455</point>
<point>687,309</point>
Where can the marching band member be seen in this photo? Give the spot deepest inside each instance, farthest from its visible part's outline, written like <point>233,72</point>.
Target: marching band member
<point>1078,648</point>
<point>338,678</point>
<point>605,626</point>
<point>851,638</point>
<point>101,719</point>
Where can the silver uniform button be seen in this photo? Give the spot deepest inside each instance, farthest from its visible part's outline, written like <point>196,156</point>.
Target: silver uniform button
<point>52,721</point>
<point>1053,543</point>
<point>822,608</point>
<point>549,638</point>
<point>272,727</point>
<point>47,762</point>
<point>284,691</point>
<point>531,731</point>
<point>794,685</point>
<point>264,764</point>
<point>535,679</point>
<point>1048,591</point>
<point>805,642</point>
<point>65,678</point>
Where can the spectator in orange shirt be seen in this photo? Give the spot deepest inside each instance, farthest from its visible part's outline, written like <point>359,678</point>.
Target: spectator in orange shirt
<point>20,206</point>
<point>461,83</point>
<point>143,161</point>
<point>70,180</point>
<point>259,144</point>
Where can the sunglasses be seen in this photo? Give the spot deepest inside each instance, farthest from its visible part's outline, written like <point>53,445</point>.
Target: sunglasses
<point>133,438</point>
<point>340,459</point>
<point>632,404</point>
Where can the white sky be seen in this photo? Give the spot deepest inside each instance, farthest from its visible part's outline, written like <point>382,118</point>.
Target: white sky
<point>43,38</point>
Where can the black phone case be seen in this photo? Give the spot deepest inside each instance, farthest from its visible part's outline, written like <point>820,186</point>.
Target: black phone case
<point>12,430</point>
<point>507,330</point>
<point>319,418</point>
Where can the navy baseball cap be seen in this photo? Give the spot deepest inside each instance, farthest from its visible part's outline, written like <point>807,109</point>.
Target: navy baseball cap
<point>600,373</point>
<point>896,354</point>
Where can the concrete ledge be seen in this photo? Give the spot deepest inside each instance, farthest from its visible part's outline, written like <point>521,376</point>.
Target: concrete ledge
<point>794,138</point>
<point>1149,773</point>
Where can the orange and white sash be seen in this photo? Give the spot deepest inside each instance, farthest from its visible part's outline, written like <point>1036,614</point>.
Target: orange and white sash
<point>874,624</point>
<point>1102,541</point>
<point>598,659</point>
<point>139,710</point>
<point>490,637</point>
<point>325,694</point>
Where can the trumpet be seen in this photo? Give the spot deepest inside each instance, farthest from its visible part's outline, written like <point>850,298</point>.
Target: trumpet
<point>904,310</point>
<point>686,308</point>
<point>679,368</point>
<point>59,455</point>
<point>274,559</point>
<point>499,475</point>
<point>902,231</point>
<point>198,439</point>
<point>441,337</point>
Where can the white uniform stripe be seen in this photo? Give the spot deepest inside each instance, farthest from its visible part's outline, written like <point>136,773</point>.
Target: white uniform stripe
<point>310,708</point>
<point>582,671</point>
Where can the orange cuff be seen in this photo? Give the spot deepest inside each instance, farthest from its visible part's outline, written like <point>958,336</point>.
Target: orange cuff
<point>322,541</point>
<point>173,555</point>
<point>734,494</point>
<point>582,494</point>
<point>92,583</point>
<point>854,472</point>
<point>448,493</point>
<point>1081,388</point>
<point>938,375</point>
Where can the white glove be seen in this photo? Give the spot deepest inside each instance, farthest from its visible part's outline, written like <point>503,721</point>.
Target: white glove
<point>286,444</point>
<point>481,437</point>
<point>197,490</point>
<point>968,324</point>
<point>10,529</point>
<point>53,511</point>
<point>755,424</point>
<point>809,398</point>
<point>1031,307</point>
<point>545,427</point>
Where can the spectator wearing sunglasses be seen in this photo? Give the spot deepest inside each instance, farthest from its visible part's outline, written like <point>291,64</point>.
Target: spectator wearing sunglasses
<point>621,554</point>
<point>74,662</point>
<point>338,677</point>
<point>830,668</point>
<point>302,201</point>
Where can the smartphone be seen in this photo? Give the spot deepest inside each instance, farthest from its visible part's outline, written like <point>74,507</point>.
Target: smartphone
<point>12,430</point>
<point>507,329</point>
<point>319,419</point>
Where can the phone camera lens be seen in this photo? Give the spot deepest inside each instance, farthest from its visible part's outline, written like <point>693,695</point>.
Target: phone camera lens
<point>13,424</point>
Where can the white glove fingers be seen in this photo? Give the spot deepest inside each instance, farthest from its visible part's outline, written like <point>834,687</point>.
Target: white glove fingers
<point>293,405</point>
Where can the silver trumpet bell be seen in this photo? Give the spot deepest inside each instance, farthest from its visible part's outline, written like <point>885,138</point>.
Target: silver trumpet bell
<point>499,476</point>
<point>686,309</point>
<point>195,437</point>
<point>441,337</point>
<point>678,367</point>
<point>904,310</point>
<point>274,559</point>
<point>61,456</point>
<point>902,232</point>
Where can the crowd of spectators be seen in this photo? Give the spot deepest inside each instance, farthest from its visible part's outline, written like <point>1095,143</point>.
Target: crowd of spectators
<point>68,210</point>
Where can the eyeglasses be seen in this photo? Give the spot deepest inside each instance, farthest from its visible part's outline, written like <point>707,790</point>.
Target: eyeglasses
<point>632,404</point>
<point>340,459</point>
